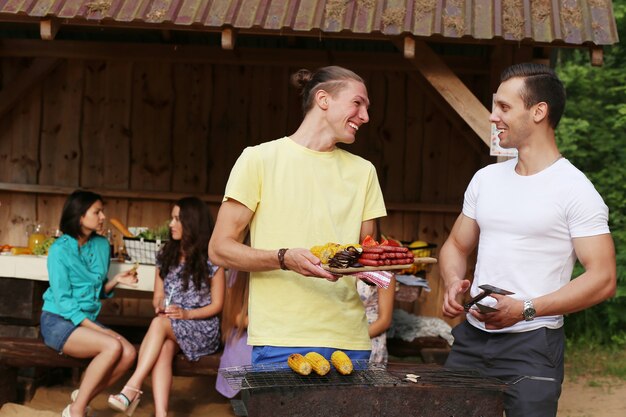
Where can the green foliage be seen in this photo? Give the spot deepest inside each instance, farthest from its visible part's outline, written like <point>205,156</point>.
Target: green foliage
<point>161,232</point>
<point>593,359</point>
<point>591,135</point>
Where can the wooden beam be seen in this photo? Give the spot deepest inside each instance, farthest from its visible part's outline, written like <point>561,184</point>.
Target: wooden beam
<point>228,39</point>
<point>409,47</point>
<point>24,82</point>
<point>452,89</point>
<point>48,28</point>
<point>125,51</point>
<point>173,196</point>
<point>105,192</point>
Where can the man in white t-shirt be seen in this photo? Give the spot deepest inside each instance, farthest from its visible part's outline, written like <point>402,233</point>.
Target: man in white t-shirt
<point>531,218</point>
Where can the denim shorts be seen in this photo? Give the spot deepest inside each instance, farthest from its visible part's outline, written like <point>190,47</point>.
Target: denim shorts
<point>55,330</point>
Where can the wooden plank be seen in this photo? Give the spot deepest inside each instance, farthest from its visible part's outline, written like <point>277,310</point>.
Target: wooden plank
<point>413,153</point>
<point>106,124</point>
<point>49,209</point>
<point>25,81</point>
<point>19,137</point>
<point>232,87</point>
<point>151,126</point>
<point>193,98</point>
<point>154,214</point>
<point>60,132</point>
<point>105,192</point>
<point>18,211</point>
<point>454,92</point>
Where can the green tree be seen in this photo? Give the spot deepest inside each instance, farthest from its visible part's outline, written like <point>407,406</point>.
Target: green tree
<point>591,135</point>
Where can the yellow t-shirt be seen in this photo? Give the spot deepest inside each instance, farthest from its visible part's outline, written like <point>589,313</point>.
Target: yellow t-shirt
<point>301,198</point>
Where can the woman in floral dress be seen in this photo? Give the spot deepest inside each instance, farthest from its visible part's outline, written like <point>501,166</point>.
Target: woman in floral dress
<point>188,296</point>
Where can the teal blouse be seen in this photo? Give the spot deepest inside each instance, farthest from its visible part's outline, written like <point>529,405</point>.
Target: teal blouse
<point>77,275</point>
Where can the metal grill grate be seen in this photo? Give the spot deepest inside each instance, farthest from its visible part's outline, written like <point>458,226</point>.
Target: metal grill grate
<point>280,375</point>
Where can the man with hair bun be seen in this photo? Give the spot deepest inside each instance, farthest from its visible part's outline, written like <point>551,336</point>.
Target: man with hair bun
<point>531,218</point>
<point>294,193</point>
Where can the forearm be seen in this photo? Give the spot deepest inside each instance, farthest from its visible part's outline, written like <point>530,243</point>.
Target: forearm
<point>452,264</point>
<point>378,327</point>
<point>229,253</point>
<point>110,285</point>
<point>202,312</point>
<point>583,292</point>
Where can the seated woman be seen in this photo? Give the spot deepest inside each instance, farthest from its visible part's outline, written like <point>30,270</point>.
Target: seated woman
<point>78,263</point>
<point>194,293</point>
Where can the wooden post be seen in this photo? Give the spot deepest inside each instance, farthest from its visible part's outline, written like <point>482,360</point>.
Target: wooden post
<point>597,56</point>
<point>228,39</point>
<point>48,28</point>
<point>409,47</point>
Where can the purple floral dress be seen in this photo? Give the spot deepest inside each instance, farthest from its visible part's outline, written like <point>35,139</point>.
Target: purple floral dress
<point>196,338</point>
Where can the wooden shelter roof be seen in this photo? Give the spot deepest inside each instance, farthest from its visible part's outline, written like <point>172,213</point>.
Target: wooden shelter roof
<point>561,22</point>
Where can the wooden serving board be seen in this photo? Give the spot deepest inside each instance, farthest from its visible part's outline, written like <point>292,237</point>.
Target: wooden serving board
<point>426,260</point>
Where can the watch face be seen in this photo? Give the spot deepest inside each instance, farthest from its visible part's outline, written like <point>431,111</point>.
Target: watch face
<point>529,313</point>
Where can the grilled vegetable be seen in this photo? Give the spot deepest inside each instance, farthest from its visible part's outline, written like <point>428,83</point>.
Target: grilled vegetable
<point>341,362</point>
<point>319,363</point>
<point>299,364</point>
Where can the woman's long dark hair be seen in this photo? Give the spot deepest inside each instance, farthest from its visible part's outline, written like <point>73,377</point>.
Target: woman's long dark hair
<point>74,208</point>
<point>197,224</point>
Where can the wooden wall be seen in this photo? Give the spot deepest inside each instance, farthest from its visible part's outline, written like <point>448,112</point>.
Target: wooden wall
<point>157,126</point>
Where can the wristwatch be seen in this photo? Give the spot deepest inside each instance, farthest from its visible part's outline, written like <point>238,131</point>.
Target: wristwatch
<point>529,310</point>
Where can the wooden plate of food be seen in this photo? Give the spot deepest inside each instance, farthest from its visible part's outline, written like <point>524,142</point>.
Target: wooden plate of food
<point>351,270</point>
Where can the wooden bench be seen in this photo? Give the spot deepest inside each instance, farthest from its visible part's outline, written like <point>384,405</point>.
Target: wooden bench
<point>20,352</point>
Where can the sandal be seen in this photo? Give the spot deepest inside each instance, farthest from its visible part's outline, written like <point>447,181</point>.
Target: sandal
<point>66,411</point>
<point>73,397</point>
<point>120,402</point>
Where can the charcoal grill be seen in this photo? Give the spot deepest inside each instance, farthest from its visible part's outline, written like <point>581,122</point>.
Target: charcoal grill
<point>371,390</point>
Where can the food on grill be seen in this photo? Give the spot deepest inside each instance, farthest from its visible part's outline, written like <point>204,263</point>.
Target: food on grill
<point>299,364</point>
<point>341,362</point>
<point>319,363</point>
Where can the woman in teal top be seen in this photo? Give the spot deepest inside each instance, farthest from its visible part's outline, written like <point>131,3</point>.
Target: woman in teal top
<point>78,263</point>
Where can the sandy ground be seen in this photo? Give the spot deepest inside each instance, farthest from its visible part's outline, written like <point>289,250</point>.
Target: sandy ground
<point>194,397</point>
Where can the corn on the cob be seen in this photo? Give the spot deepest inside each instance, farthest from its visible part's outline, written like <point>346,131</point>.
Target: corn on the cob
<point>319,363</point>
<point>341,362</point>
<point>299,364</point>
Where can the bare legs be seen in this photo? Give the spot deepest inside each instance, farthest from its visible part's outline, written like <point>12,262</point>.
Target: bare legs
<point>162,378</point>
<point>112,356</point>
<point>155,354</point>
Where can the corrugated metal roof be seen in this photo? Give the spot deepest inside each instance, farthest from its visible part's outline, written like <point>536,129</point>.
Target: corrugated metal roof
<point>543,21</point>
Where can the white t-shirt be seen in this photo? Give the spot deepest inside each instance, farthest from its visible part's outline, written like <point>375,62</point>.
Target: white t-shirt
<point>527,224</point>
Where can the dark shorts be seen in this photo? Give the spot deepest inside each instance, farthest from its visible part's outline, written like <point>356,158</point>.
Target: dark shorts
<point>530,363</point>
<point>55,330</point>
<point>275,354</point>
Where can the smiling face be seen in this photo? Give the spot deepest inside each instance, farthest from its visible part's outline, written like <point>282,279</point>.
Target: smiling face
<point>93,219</point>
<point>512,119</point>
<point>176,227</point>
<point>347,111</point>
